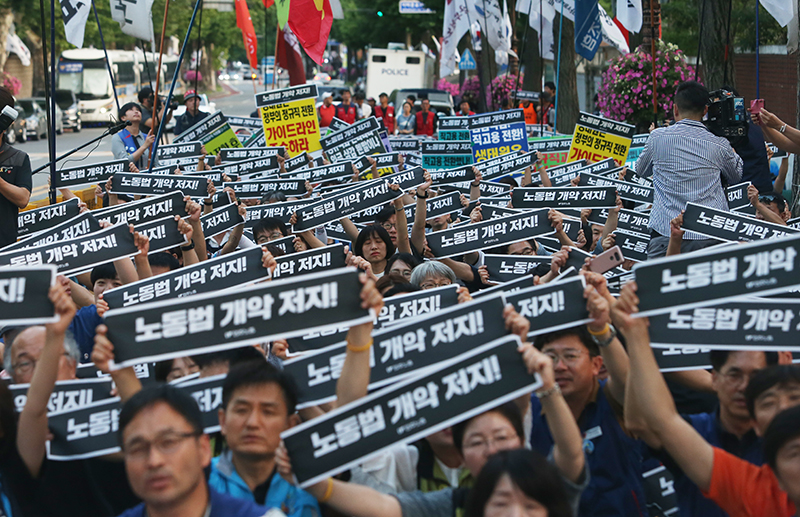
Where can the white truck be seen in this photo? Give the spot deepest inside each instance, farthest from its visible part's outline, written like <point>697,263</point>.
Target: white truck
<point>389,70</point>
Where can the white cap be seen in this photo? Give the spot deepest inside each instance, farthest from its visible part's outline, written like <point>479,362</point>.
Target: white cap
<point>326,95</point>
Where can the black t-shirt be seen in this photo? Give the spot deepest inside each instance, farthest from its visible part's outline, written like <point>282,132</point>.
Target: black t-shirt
<point>15,168</point>
<point>753,152</point>
<point>18,486</point>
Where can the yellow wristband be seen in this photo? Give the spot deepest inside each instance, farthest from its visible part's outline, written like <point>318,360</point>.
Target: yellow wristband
<point>362,348</point>
<point>602,332</point>
<point>328,491</point>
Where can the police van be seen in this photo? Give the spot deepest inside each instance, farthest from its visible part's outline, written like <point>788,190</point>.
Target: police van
<point>389,69</point>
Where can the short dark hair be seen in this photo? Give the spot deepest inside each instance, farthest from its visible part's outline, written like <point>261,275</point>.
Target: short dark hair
<point>408,258</point>
<point>784,427</point>
<point>8,418</point>
<point>273,195</point>
<point>179,401</point>
<point>510,411</point>
<point>401,289</point>
<point>369,231</point>
<point>230,357</point>
<point>359,96</point>
<point>125,107</point>
<point>384,215</point>
<point>105,271</point>
<point>762,380</point>
<point>267,224</point>
<point>145,92</point>
<point>551,85</point>
<point>508,180</point>
<point>691,97</point>
<point>530,472</point>
<point>718,358</point>
<point>256,373</point>
<point>163,259</point>
<point>774,197</point>
<point>580,332</point>
<point>382,94</point>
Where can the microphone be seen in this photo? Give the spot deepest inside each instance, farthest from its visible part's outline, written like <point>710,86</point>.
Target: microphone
<point>119,127</point>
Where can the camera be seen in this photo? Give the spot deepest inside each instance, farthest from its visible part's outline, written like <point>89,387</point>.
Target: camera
<point>727,116</point>
<point>7,117</point>
<point>172,105</point>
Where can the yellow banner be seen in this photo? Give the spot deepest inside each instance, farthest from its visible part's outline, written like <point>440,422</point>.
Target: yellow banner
<point>594,145</point>
<point>293,125</point>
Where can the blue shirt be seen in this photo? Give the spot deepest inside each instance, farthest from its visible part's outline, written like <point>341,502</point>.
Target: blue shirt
<point>292,500</point>
<point>221,506</point>
<point>690,500</point>
<point>83,329</point>
<point>614,459</point>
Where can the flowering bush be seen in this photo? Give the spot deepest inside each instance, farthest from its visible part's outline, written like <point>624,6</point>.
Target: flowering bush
<point>501,88</point>
<point>12,83</point>
<point>626,93</point>
<point>193,75</point>
<point>471,89</point>
<point>445,85</point>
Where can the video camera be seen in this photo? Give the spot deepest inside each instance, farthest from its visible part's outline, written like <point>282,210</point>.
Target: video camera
<point>172,105</point>
<point>727,116</point>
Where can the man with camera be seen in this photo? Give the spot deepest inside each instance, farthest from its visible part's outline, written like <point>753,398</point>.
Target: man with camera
<point>147,100</point>
<point>687,163</point>
<point>15,176</point>
<point>192,116</point>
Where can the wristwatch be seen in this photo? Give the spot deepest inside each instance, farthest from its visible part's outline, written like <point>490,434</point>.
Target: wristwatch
<point>427,194</point>
<point>188,247</point>
<point>605,342</point>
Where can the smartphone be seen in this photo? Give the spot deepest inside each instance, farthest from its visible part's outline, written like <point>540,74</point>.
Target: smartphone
<point>756,105</point>
<point>607,260</point>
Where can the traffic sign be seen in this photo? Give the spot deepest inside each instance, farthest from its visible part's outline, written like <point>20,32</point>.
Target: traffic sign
<point>414,7</point>
<point>467,61</point>
<point>268,61</point>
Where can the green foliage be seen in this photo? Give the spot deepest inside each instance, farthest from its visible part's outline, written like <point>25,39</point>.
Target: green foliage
<point>362,27</point>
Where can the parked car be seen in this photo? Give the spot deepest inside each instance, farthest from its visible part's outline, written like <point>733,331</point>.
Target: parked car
<point>205,106</point>
<point>70,110</point>
<point>441,101</point>
<point>42,102</point>
<point>31,122</point>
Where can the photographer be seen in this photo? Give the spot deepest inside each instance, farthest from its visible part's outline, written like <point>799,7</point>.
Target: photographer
<point>147,100</point>
<point>193,114</point>
<point>755,164</point>
<point>15,180</point>
<point>687,163</point>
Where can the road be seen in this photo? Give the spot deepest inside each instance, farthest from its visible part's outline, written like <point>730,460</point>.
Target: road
<point>238,101</point>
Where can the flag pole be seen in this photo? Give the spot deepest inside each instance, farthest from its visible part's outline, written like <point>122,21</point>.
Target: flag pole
<point>653,55</point>
<point>558,67</point>
<point>49,94</point>
<point>108,64</point>
<point>275,64</point>
<point>158,80</point>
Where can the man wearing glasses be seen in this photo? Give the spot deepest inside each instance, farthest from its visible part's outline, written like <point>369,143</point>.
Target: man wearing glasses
<point>21,357</point>
<point>161,434</point>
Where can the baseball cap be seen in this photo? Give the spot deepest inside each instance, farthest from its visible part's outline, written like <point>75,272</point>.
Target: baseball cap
<point>190,94</point>
<point>326,95</point>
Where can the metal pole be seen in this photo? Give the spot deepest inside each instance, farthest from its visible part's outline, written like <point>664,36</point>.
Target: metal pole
<point>558,66</point>
<point>51,103</point>
<point>158,80</point>
<point>108,64</point>
<point>199,45</point>
<point>653,55</point>
<point>758,82</point>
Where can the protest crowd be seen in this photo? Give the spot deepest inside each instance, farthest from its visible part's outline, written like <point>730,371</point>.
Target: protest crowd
<point>385,312</point>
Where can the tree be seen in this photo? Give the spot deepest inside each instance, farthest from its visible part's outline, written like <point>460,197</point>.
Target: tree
<point>568,108</point>
<point>363,27</point>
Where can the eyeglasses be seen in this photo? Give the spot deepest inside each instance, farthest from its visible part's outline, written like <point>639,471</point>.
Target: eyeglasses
<point>389,226</point>
<point>479,443</point>
<point>569,356</point>
<point>166,444</point>
<point>27,365</point>
<point>768,198</point>
<point>528,251</point>
<point>432,285</point>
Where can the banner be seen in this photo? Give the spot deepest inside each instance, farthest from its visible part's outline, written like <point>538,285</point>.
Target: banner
<point>627,191</point>
<point>737,196</point>
<point>494,134</point>
<point>435,207</point>
<point>564,197</point>
<point>169,154</point>
<point>89,174</point>
<point>403,349</point>
<point>250,167</point>
<point>282,211</point>
<point>221,220</point>
<point>553,150</point>
<point>89,431</point>
<point>633,245</point>
<point>144,210</point>
<point>552,306</point>
<point>503,268</point>
<point>717,274</point>
<point>256,188</point>
<point>207,392</point>
<point>66,395</point>
<point>615,281</point>
<point>298,162</point>
<point>463,173</point>
<point>382,161</point>
<point>730,226</point>
<point>24,296</point>
<point>248,122</point>
<point>511,286</point>
<point>215,274</point>
<point>213,131</point>
<point>405,144</point>
<point>77,255</point>
<point>453,128</point>
<point>249,153</point>
<point>34,221</point>
<point>150,185</point>
<point>310,261</point>
<point>452,391</point>
<point>751,324</point>
<point>488,234</point>
<point>214,321</point>
<point>163,234</point>
<point>486,188</point>
<point>598,138</point>
<point>507,164</point>
<point>677,359</point>
<point>334,171</point>
<point>353,141</point>
<point>77,226</point>
<point>445,155</point>
<point>350,202</point>
<point>627,220</point>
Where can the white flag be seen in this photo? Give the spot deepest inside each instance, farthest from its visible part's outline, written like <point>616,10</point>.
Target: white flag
<point>134,17</point>
<point>15,45</point>
<point>492,18</point>
<point>792,44</point>
<point>456,24</point>
<point>75,13</point>
<point>629,14</point>
<point>542,26</point>
<point>611,33</point>
<point>781,10</point>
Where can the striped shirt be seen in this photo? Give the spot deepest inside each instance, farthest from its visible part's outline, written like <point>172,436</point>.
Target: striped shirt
<point>686,161</point>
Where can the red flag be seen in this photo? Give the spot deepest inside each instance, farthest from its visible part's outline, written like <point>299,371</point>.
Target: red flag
<point>311,25</point>
<point>268,3</point>
<point>244,22</point>
<point>290,57</point>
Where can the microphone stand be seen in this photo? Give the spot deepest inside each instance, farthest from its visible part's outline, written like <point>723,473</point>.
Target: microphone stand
<point>110,131</point>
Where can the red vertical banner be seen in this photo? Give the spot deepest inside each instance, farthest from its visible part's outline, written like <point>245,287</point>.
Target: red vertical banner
<point>245,23</point>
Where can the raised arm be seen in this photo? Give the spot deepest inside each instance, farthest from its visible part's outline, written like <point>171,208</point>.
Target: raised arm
<point>403,241</point>
<point>418,229</point>
<point>102,353</point>
<point>194,210</point>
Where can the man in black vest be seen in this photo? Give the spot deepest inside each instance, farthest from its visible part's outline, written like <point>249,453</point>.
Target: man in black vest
<point>15,180</point>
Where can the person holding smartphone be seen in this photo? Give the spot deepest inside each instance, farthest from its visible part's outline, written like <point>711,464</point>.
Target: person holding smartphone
<point>16,181</point>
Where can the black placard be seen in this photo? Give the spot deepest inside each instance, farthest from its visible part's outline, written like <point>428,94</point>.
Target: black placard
<point>616,280</point>
<point>564,197</point>
<point>145,372</point>
<point>87,432</point>
<point>221,220</point>
<point>489,211</point>
<point>463,173</point>
<point>284,95</point>
<point>263,165</point>
<point>627,191</point>
<point>435,206</point>
<point>452,391</point>
<point>405,144</point>
<point>524,95</point>
<point>31,222</point>
<point>282,211</point>
<point>257,188</point>
<point>737,196</point>
<point>407,179</point>
<point>344,204</point>
<point>487,188</point>
<point>606,125</point>
<point>285,244</point>
<point>503,268</point>
<point>207,392</point>
<point>251,122</point>
<point>561,175</point>
<point>66,395</point>
<point>77,255</point>
<point>506,164</point>
<point>79,225</point>
<point>88,174</point>
<point>553,306</point>
<point>329,172</point>
<point>144,210</point>
<point>677,359</point>
<point>382,160</point>
<point>633,245</point>
<point>237,268</point>
<point>505,287</point>
<point>488,234</point>
<point>215,321</point>
<point>150,185</point>
<point>249,153</point>
<point>163,234</point>
<point>639,140</point>
<point>401,349</point>
<point>628,220</point>
<point>551,145</point>
<point>730,226</point>
<point>337,124</point>
<point>24,295</point>
<point>257,139</point>
<point>718,274</point>
<point>310,261</point>
<point>353,141</point>
<point>169,154</point>
<point>298,162</point>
